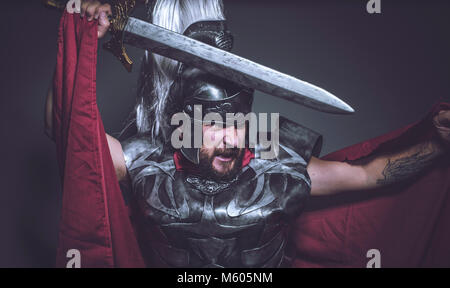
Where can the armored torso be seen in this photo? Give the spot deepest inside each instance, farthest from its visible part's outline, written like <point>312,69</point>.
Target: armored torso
<point>186,221</point>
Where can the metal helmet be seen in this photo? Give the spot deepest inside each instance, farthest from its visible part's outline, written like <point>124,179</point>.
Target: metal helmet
<point>193,86</point>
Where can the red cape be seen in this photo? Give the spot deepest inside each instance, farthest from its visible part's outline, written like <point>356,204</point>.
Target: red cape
<point>408,224</point>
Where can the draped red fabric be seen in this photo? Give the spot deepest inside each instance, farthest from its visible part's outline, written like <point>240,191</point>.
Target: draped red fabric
<point>408,224</point>
<point>94,218</point>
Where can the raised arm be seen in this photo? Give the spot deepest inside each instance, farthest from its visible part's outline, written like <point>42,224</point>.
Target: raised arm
<point>115,147</point>
<point>91,9</point>
<point>330,177</point>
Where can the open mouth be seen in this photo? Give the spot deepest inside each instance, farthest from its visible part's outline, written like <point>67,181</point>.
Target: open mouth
<point>226,156</point>
<point>224,159</point>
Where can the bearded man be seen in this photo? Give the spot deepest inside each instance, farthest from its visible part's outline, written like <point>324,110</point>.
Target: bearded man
<point>223,205</point>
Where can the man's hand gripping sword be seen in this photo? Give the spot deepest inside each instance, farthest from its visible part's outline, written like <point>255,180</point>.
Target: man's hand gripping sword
<point>122,10</point>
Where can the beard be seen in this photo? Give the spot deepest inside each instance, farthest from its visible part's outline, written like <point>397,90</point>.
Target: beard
<point>229,169</point>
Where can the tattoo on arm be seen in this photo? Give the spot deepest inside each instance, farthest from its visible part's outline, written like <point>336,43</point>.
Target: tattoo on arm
<point>405,167</point>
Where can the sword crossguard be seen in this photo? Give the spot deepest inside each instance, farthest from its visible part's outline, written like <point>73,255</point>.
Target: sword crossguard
<point>121,11</point>
<point>56,4</point>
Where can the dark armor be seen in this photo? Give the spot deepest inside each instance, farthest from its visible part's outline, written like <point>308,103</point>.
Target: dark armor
<point>186,221</point>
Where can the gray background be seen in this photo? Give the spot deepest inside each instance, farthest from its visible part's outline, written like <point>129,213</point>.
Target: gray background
<point>391,68</point>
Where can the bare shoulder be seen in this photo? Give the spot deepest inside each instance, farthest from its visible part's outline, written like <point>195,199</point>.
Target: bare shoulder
<point>117,156</point>
<point>315,164</point>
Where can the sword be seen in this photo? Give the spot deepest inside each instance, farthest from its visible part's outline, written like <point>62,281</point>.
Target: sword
<point>129,30</point>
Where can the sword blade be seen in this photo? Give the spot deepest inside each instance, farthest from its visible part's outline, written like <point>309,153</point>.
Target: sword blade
<point>224,64</point>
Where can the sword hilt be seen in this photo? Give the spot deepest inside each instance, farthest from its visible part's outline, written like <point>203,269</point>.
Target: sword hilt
<point>121,10</point>
<point>60,5</point>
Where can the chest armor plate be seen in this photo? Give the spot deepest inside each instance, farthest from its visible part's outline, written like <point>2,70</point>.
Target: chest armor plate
<point>187,221</point>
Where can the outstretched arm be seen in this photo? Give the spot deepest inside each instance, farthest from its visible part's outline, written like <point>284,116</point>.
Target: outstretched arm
<point>330,177</point>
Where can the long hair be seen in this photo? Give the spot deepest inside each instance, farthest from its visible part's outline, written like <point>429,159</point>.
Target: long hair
<point>157,72</point>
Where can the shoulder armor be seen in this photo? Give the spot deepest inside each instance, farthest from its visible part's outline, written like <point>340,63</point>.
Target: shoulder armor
<point>140,146</point>
<point>302,140</point>
<point>295,140</point>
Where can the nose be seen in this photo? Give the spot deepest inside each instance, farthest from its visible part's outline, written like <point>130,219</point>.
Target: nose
<point>230,137</point>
